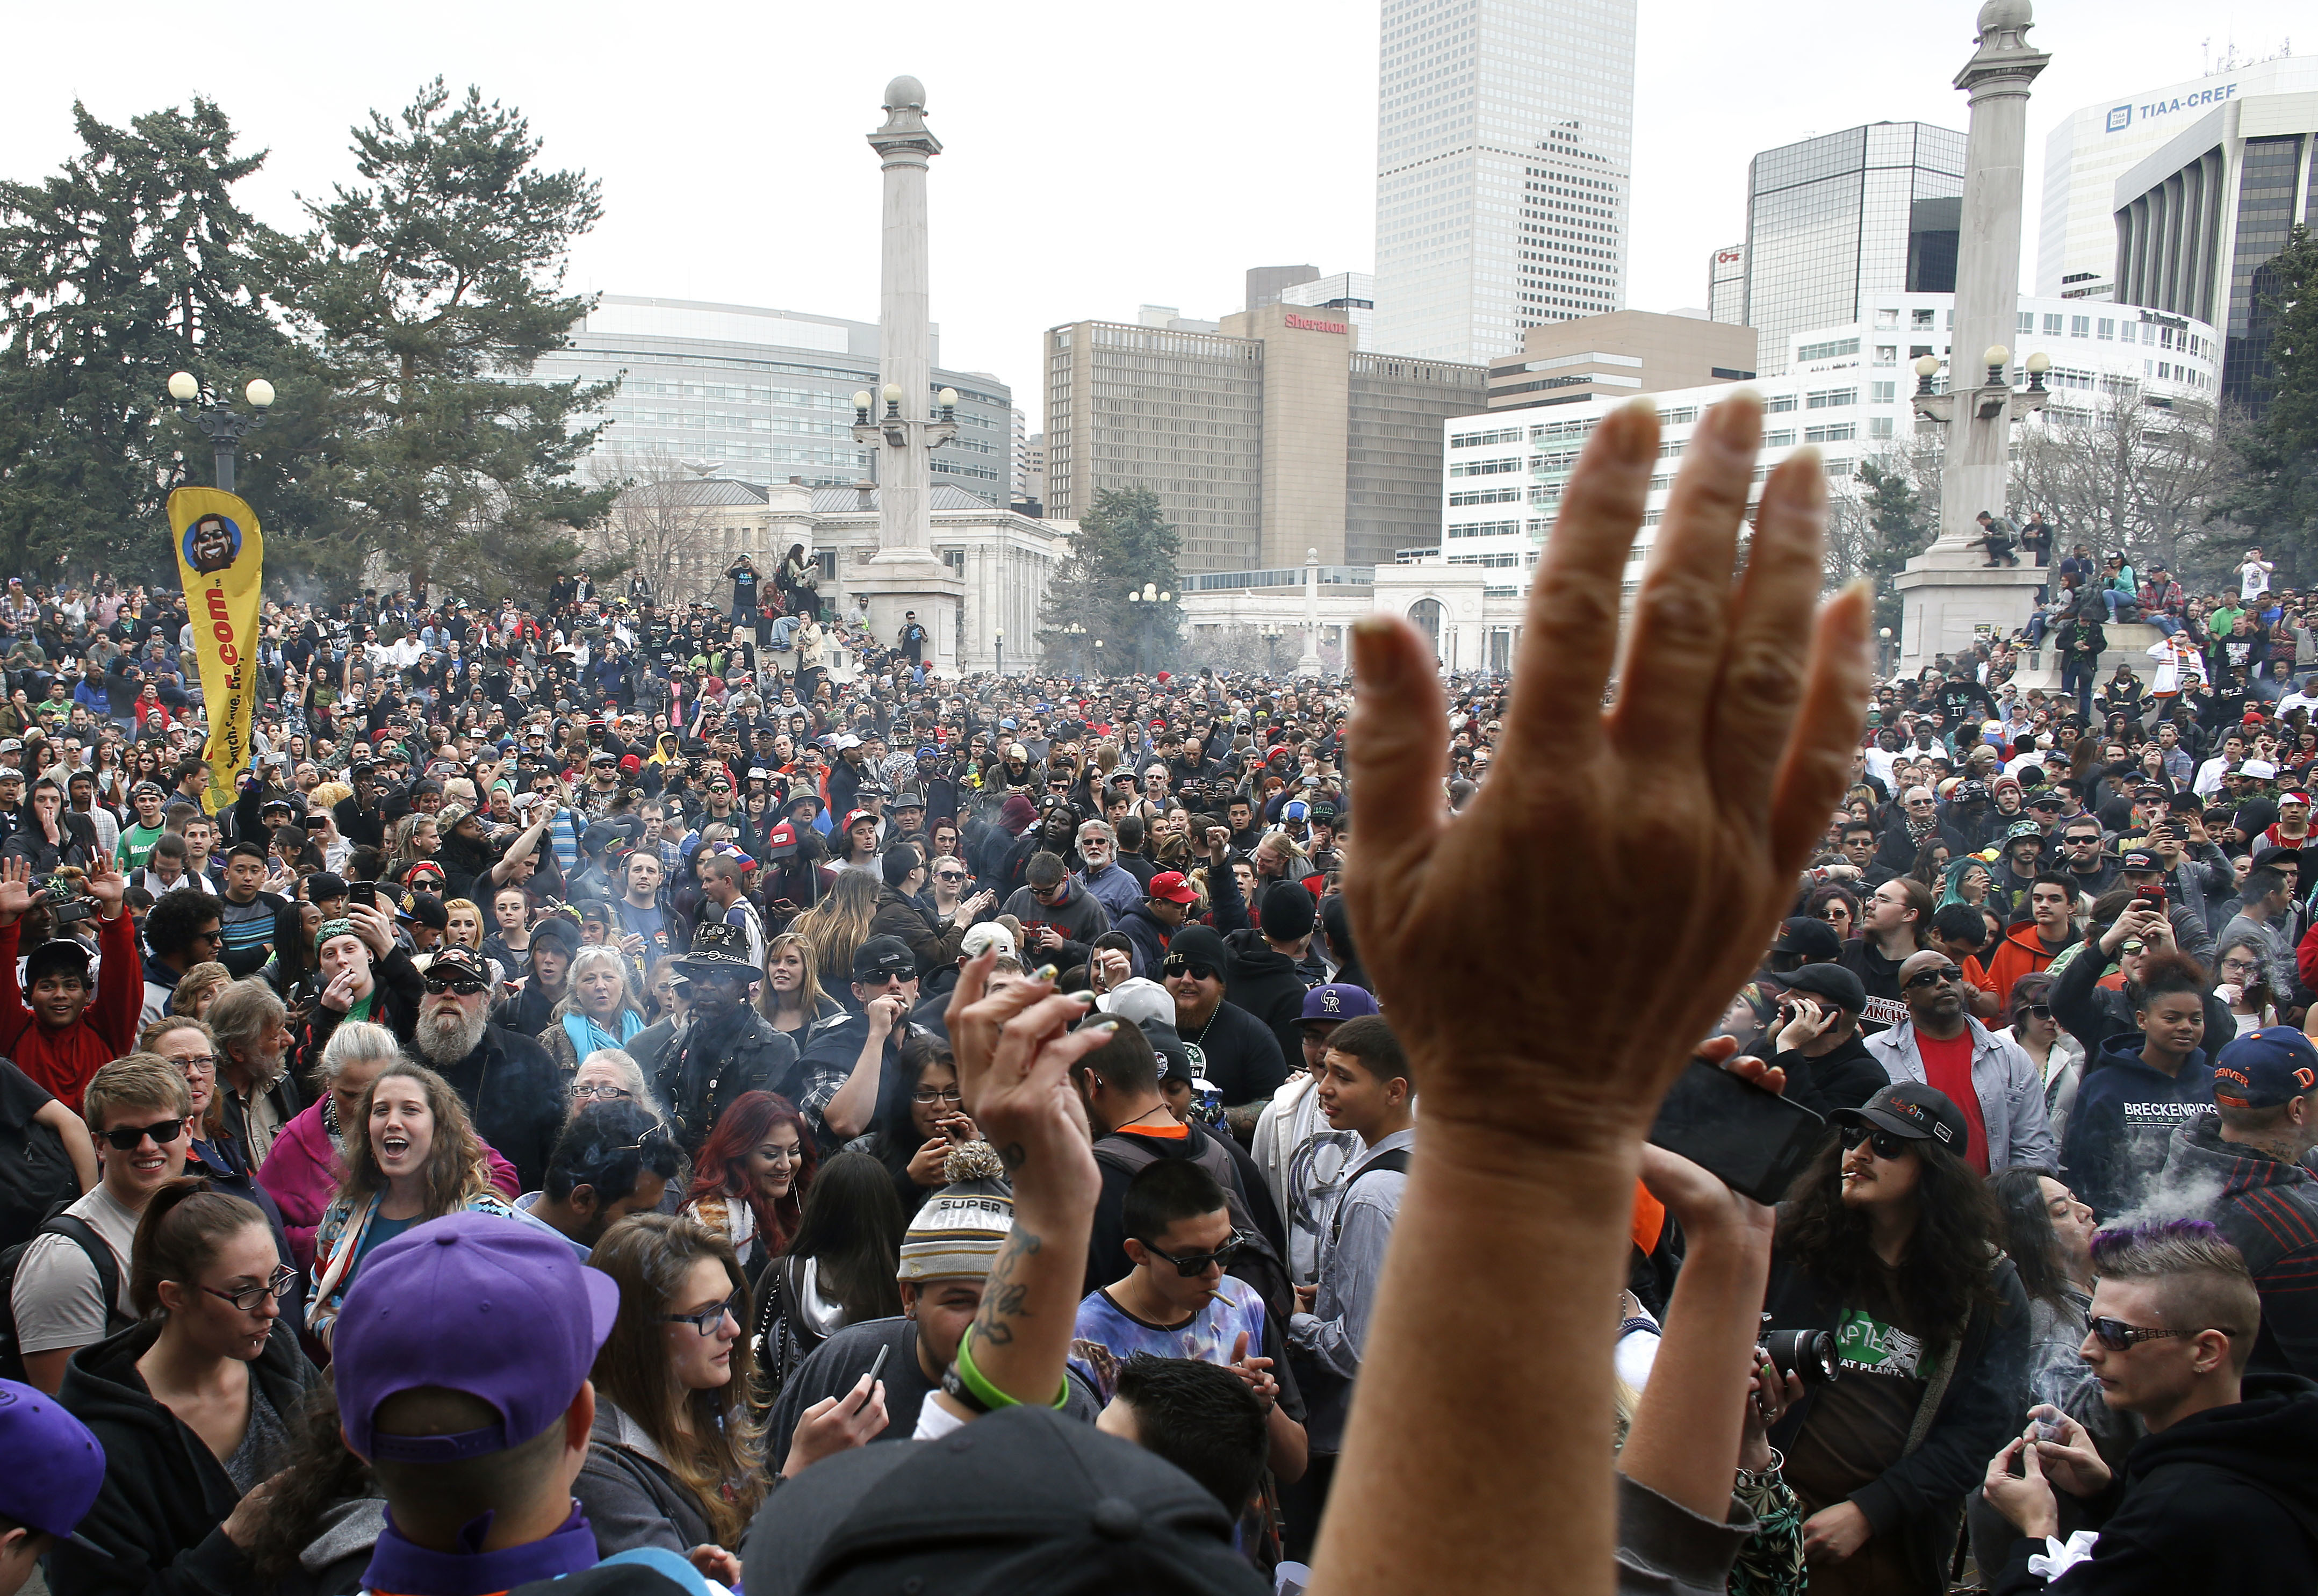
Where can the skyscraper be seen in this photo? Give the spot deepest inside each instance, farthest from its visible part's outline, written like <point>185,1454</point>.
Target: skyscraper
<point>1834,221</point>
<point>1504,135</point>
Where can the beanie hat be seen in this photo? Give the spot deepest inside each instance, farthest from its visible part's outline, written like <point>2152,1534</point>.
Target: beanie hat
<point>1017,812</point>
<point>957,1233</point>
<point>559,930</point>
<point>1287,912</point>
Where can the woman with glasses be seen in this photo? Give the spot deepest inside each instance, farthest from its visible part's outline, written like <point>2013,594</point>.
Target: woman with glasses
<point>792,999</point>
<point>750,1179</point>
<point>1836,905</point>
<point>920,1121</point>
<point>676,1459</point>
<point>611,1075</point>
<point>412,1155</point>
<point>2058,1057</point>
<point>840,1268</point>
<point>194,1405</point>
<point>1888,1240</point>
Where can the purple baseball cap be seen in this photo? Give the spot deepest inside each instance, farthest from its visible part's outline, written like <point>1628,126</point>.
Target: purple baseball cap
<point>56,1493</point>
<point>1338,1001</point>
<point>496,1308</point>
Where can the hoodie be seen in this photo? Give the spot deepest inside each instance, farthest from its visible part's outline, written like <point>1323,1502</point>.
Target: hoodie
<point>2122,1128</point>
<point>2227,1500</point>
<point>156,1522</point>
<point>2268,1210</point>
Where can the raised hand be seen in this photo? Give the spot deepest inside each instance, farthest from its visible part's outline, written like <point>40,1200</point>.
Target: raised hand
<point>105,883</point>
<point>15,889</point>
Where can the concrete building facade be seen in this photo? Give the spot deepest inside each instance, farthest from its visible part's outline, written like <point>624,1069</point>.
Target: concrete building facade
<point>1274,436</point>
<point>759,395</point>
<point>1835,220</point>
<point>1504,135</point>
<point>1620,355</point>
<point>2199,220</point>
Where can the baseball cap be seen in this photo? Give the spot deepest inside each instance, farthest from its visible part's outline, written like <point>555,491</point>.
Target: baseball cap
<point>1911,1109</point>
<point>855,815</point>
<point>1833,982</point>
<point>2046,800</point>
<point>1171,887</point>
<point>1339,1000</point>
<point>1026,1500</point>
<point>2139,859</point>
<point>420,909</point>
<point>2265,1068</point>
<point>988,936</point>
<point>2023,828</point>
<point>54,1496</point>
<point>1138,1000</point>
<point>884,956</point>
<point>1814,939</point>
<point>494,1308</point>
<point>2261,770</point>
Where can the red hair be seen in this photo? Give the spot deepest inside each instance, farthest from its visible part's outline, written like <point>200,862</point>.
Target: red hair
<point>722,1170</point>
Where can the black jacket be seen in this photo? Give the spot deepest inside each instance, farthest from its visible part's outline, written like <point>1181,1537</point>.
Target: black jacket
<point>166,1494</point>
<point>1845,1078</point>
<point>515,1094</point>
<point>2268,1210</point>
<point>762,1061</point>
<point>1147,938</point>
<point>1271,986</point>
<point>1920,1495</point>
<point>2225,1500</point>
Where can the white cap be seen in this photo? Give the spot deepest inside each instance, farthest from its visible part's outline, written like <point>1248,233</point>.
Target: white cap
<point>2261,770</point>
<point>989,935</point>
<point>1139,1000</point>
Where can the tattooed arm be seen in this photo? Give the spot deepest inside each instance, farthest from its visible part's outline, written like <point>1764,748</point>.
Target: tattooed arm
<point>1014,1051</point>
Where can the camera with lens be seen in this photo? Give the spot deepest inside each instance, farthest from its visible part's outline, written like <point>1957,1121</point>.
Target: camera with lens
<point>1807,1352</point>
<point>66,906</point>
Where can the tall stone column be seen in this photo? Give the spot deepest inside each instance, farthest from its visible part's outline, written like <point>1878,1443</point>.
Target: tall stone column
<point>904,575</point>
<point>1951,592</point>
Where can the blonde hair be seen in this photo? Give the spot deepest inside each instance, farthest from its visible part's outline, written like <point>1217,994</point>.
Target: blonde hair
<point>839,924</point>
<point>451,906</point>
<point>331,794</point>
<point>204,980</point>
<point>136,1080</point>
<point>810,995</point>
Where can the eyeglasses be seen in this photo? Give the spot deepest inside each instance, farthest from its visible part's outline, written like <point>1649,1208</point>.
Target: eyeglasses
<point>1192,1265</point>
<point>2119,1337</point>
<point>2239,967</point>
<point>126,1137</point>
<point>708,1320</point>
<point>465,986</point>
<point>1933,977</point>
<point>1184,967</point>
<point>937,1095</point>
<point>197,1063</point>
<point>1883,1143</point>
<point>603,1092</point>
<point>250,1298</point>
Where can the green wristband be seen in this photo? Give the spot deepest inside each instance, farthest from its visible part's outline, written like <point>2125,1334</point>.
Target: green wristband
<point>989,1395</point>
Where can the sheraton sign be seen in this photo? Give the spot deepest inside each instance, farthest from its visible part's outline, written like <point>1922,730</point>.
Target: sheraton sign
<point>1310,325</point>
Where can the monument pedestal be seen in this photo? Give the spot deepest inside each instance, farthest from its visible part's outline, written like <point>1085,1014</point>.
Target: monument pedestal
<point>896,580</point>
<point>1950,597</point>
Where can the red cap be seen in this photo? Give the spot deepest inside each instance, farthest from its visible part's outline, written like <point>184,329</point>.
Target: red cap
<point>1170,886</point>
<point>631,763</point>
<point>856,814</point>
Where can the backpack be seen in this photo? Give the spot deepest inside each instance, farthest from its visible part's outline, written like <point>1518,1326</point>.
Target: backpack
<point>36,1180</point>
<point>1397,1161</point>
<point>1256,1262</point>
<point>83,1235</point>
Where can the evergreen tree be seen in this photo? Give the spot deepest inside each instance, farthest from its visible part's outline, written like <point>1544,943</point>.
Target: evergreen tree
<point>2277,501</point>
<point>429,291</point>
<point>130,263</point>
<point>1898,531</point>
<point>1123,543</point>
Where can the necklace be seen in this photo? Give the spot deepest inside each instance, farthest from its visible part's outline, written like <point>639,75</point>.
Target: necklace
<point>1200,1040</point>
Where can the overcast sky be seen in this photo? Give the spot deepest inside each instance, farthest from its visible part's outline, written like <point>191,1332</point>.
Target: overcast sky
<point>1098,158</point>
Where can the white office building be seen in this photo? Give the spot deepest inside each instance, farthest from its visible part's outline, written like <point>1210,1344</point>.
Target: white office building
<point>1845,389</point>
<point>2095,147</point>
<point>1505,133</point>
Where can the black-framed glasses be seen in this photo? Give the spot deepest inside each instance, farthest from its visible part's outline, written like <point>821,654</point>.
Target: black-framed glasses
<point>1184,967</point>
<point>1883,1144</point>
<point>602,1092</point>
<point>1935,978</point>
<point>2119,1337</point>
<point>708,1320</point>
<point>126,1137</point>
<point>197,1063</point>
<point>465,986</point>
<point>1192,1265</point>
<point>250,1298</point>
<point>2037,1010</point>
<point>937,1095</point>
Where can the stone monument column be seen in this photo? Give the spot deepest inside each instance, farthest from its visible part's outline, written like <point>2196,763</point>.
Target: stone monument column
<point>902,418</point>
<point>1950,591</point>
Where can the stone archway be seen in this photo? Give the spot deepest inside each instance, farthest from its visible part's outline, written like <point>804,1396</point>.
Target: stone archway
<point>1427,616</point>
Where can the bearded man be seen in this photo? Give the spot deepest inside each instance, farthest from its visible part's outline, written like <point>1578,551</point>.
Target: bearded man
<point>513,1090</point>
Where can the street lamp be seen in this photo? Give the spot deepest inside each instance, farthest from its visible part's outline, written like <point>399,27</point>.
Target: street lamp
<point>999,637</point>
<point>1883,650</point>
<point>226,427</point>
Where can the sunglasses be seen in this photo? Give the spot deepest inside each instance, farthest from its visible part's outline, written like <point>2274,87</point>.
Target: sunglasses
<point>1933,977</point>
<point>1883,1143</point>
<point>126,1137</point>
<point>708,1320</point>
<point>1184,967</point>
<point>949,875</point>
<point>251,1298</point>
<point>1193,1264</point>
<point>463,985</point>
<point>2119,1337</point>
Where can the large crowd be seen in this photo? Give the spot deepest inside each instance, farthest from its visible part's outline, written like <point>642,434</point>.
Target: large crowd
<point>662,1095</point>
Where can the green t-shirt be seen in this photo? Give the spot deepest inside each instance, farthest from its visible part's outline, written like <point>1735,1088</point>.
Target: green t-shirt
<point>136,845</point>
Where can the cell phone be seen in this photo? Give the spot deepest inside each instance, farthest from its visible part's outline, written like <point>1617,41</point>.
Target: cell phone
<point>2150,898</point>
<point>1752,1140</point>
<point>877,1366</point>
<point>365,893</point>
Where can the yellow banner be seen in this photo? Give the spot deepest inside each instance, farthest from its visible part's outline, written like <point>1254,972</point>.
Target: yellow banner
<point>220,557</point>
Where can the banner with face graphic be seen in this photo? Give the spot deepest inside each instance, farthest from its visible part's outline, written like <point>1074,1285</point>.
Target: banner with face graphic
<point>220,557</point>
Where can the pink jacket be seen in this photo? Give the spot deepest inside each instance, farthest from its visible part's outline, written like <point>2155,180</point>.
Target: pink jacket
<point>302,1170</point>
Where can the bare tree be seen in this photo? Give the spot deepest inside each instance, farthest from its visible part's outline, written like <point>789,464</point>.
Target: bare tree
<point>663,525</point>
<point>2128,470</point>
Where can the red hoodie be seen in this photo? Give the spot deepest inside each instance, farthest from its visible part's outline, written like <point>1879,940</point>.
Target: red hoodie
<point>62,1061</point>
